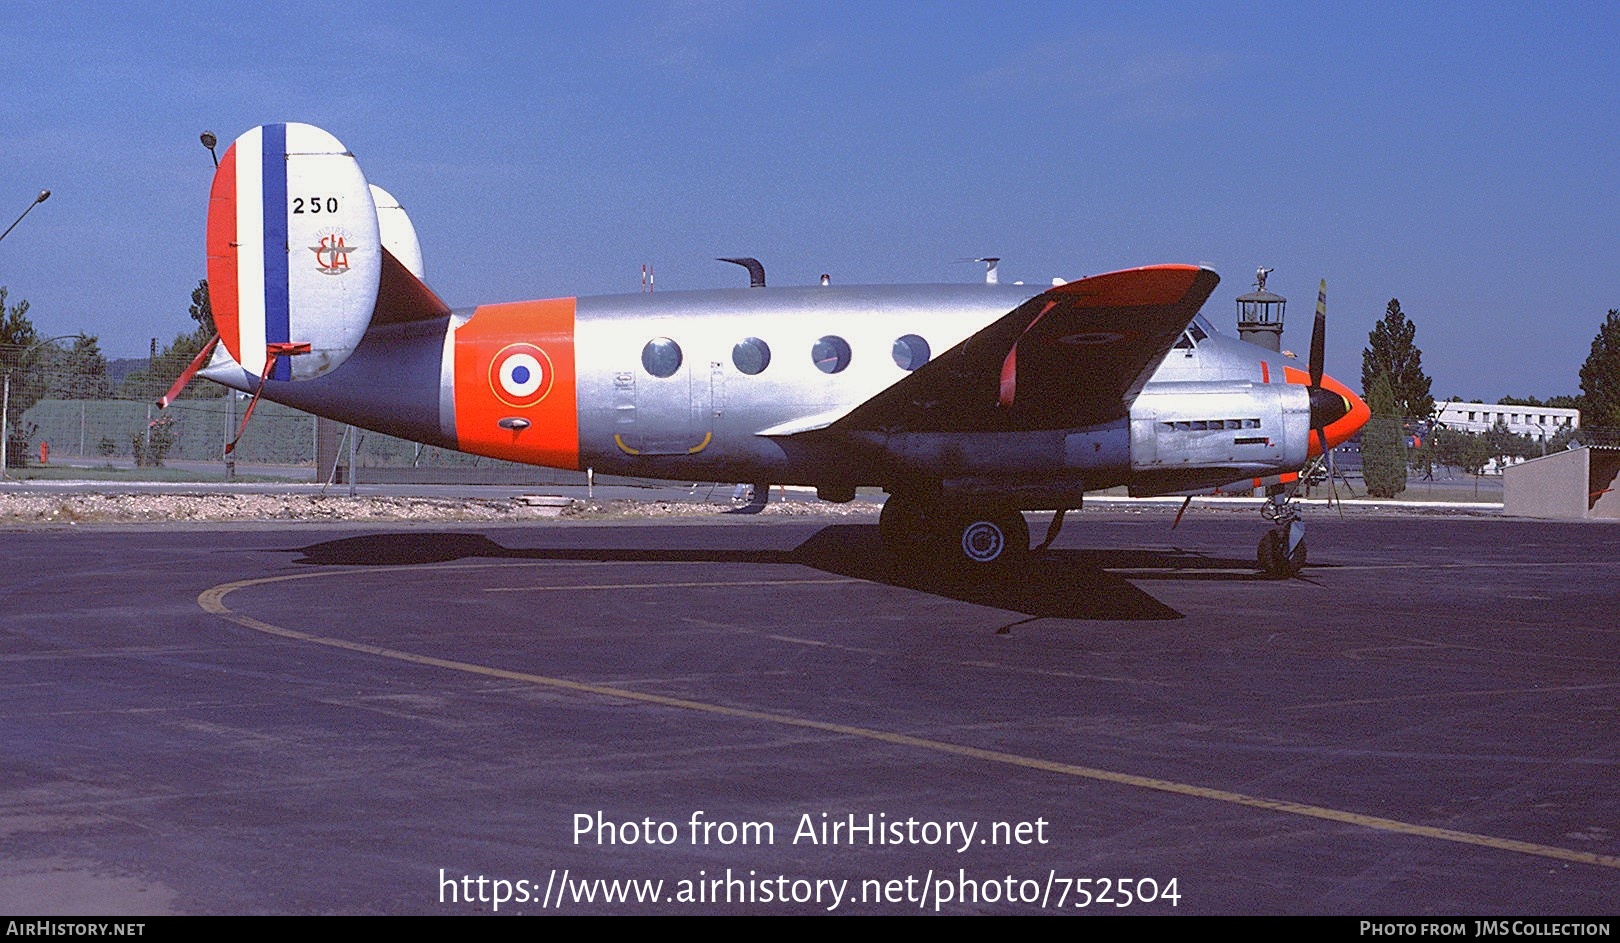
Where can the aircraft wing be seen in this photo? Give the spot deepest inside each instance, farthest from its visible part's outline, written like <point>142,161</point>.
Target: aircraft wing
<point>1074,355</point>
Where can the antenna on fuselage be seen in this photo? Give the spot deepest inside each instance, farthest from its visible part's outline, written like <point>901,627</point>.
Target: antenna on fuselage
<point>990,262</point>
<point>756,272</point>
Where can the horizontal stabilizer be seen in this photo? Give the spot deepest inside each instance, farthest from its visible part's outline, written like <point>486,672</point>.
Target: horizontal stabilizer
<point>403,296</point>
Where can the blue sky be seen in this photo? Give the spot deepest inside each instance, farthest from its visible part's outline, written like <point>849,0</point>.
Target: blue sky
<point>1460,157</point>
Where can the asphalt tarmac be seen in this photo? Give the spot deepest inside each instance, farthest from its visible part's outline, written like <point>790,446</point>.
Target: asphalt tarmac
<point>772,716</point>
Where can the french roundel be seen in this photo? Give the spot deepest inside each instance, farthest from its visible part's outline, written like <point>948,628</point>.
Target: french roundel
<point>520,375</point>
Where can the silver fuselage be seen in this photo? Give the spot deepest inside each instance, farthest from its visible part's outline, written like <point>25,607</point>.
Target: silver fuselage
<point>1215,410</point>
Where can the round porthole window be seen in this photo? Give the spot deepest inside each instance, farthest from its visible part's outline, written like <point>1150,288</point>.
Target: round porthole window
<point>831,354</point>
<point>910,352</point>
<point>751,355</point>
<point>661,357</point>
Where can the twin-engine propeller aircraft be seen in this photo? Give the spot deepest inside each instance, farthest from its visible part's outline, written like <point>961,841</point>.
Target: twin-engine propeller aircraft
<point>968,404</point>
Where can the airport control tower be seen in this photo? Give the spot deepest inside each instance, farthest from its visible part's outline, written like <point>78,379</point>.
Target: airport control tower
<point>1260,314</point>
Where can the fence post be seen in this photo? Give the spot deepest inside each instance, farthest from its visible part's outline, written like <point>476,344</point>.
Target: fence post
<point>5,430</point>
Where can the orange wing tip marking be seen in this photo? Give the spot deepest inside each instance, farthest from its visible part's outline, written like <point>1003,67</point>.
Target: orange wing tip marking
<point>1129,288</point>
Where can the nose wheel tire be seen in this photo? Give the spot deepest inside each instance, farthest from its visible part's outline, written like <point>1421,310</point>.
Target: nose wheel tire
<point>1275,560</point>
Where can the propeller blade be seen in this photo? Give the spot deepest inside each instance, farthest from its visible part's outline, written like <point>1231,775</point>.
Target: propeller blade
<point>1327,407</point>
<point>1319,336</point>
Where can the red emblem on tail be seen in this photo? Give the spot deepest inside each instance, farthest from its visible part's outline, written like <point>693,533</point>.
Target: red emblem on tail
<point>332,255</point>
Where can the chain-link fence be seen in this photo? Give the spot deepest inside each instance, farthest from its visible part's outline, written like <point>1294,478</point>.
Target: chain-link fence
<point>65,407</point>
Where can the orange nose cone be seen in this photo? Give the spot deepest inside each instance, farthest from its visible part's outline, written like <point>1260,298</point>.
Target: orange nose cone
<point>1347,425</point>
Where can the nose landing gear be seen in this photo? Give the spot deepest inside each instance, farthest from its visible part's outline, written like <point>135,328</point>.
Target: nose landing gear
<point>1281,554</point>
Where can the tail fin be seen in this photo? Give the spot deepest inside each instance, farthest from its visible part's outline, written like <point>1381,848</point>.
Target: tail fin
<point>403,296</point>
<point>398,235</point>
<point>295,255</point>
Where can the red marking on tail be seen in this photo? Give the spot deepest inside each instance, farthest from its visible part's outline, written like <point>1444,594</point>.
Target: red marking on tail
<point>222,256</point>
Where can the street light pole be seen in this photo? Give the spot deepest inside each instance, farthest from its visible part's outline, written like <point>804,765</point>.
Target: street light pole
<point>5,434</point>
<point>43,196</point>
<point>5,400</point>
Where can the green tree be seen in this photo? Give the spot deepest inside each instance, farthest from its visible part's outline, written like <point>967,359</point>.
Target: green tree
<point>1449,446</point>
<point>1600,376</point>
<point>1552,402</point>
<point>1501,443</point>
<point>202,311</point>
<point>1393,353</point>
<point>24,382</point>
<point>1560,440</point>
<point>79,372</point>
<point>1475,453</point>
<point>166,366</point>
<point>15,328</point>
<point>1383,458</point>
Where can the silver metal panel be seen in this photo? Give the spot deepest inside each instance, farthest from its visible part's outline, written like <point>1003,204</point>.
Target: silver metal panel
<point>712,395</point>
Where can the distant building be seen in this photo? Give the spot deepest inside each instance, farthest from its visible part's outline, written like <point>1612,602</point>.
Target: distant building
<point>1534,421</point>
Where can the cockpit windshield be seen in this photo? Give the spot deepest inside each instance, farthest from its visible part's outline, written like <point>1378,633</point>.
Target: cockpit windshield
<point>1196,331</point>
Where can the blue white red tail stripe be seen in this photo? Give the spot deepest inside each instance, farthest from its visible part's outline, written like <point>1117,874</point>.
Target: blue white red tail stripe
<point>277,314</point>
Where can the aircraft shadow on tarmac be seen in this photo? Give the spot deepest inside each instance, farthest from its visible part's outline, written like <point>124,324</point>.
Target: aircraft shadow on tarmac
<point>1062,584</point>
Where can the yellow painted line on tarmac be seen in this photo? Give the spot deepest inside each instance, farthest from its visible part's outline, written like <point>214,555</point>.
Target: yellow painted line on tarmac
<point>212,600</point>
<point>1479,565</point>
<point>1452,696</point>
